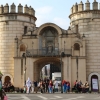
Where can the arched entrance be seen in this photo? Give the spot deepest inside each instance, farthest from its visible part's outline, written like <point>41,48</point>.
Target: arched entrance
<point>94,83</point>
<point>7,79</point>
<point>48,71</point>
<point>39,64</point>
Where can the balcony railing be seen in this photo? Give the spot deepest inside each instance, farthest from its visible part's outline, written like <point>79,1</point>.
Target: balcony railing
<point>43,52</point>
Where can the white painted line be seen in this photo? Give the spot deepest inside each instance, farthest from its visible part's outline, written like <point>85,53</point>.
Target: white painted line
<point>25,98</point>
<point>79,97</point>
<point>58,97</point>
<point>52,98</point>
<point>14,98</point>
<point>97,97</point>
<point>42,97</point>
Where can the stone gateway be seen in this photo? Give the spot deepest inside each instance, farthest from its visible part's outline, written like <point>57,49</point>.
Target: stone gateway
<point>25,49</point>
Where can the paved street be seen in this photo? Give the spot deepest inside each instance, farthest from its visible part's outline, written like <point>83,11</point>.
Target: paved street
<point>53,96</point>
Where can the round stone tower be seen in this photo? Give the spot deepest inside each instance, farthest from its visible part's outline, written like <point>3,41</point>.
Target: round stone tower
<point>12,24</point>
<point>87,21</point>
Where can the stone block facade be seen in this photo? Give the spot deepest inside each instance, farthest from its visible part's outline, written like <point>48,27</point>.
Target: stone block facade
<point>19,35</point>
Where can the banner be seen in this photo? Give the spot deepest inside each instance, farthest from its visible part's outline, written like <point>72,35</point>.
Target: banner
<point>95,84</point>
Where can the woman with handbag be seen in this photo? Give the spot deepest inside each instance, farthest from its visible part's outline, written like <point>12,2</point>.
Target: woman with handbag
<point>41,86</point>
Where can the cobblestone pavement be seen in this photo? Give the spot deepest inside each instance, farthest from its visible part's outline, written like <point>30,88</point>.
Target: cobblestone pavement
<point>53,96</point>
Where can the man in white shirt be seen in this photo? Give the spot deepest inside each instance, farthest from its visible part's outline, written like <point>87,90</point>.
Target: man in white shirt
<point>56,86</point>
<point>28,84</point>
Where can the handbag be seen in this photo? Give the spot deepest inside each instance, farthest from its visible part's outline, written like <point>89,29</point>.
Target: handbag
<point>5,98</point>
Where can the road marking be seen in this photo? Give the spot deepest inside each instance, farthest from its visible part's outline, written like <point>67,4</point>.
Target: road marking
<point>14,98</point>
<point>42,97</point>
<point>97,97</point>
<point>58,97</point>
<point>25,98</point>
<point>52,98</point>
<point>79,97</point>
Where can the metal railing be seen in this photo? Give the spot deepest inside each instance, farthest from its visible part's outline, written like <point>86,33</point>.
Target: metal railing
<point>44,52</point>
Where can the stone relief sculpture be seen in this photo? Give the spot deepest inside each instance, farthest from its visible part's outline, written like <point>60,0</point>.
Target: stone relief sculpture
<point>49,48</point>
<point>43,43</point>
<point>56,42</point>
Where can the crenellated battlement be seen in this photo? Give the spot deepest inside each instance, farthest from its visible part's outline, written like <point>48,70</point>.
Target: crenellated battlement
<point>19,9</point>
<point>84,7</point>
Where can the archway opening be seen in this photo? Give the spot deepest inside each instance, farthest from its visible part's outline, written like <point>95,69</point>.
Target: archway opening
<point>51,72</point>
<point>52,62</point>
<point>94,83</point>
<point>7,79</point>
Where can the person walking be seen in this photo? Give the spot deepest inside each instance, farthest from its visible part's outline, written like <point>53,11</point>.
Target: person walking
<point>35,86</point>
<point>47,84</point>
<point>50,87</point>
<point>41,86</point>
<point>1,91</point>
<point>32,87</point>
<point>28,84</point>
<point>55,86</point>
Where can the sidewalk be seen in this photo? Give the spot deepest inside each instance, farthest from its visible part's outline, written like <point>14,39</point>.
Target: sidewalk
<point>52,93</point>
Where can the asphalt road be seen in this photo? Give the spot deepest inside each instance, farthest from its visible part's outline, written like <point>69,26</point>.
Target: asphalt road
<point>53,96</point>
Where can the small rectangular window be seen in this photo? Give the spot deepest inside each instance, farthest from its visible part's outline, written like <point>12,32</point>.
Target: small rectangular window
<point>76,28</point>
<point>25,29</point>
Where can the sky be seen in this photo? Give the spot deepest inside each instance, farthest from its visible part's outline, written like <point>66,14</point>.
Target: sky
<point>53,11</point>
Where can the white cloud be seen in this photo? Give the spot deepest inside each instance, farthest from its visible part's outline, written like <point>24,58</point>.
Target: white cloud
<point>42,15</point>
<point>63,23</point>
<point>44,10</point>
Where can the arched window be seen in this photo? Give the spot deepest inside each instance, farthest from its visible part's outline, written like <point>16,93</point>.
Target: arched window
<point>76,46</point>
<point>22,47</point>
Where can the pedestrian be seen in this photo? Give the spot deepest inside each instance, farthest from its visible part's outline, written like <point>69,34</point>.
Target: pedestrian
<point>24,89</point>
<point>50,87</point>
<point>28,84</point>
<point>1,91</point>
<point>47,84</point>
<point>35,86</point>
<point>41,86</point>
<point>32,87</point>
<point>55,86</point>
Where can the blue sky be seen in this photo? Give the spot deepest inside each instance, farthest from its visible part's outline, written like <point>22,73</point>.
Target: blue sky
<point>54,11</point>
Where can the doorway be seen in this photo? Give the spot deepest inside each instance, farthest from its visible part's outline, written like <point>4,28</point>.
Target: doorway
<point>94,83</point>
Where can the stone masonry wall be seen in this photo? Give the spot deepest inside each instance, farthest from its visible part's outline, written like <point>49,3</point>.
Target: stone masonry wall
<point>9,29</point>
<point>89,24</point>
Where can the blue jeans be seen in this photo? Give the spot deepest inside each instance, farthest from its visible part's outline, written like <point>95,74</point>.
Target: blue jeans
<point>50,89</point>
<point>64,89</point>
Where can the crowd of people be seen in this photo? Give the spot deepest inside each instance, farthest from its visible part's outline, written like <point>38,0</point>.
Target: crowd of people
<point>80,87</point>
<point>49,86</point>
<point>45,86</point>
<point>8,87</point>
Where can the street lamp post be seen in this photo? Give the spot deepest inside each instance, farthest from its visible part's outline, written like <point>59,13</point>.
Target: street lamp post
<point>64,46</point>
<point>68,55</point>
<point>77,66</point>
<point>62,55</point>
<point>16,41</point>
<point>32,47</point>
<point>24,68</point>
